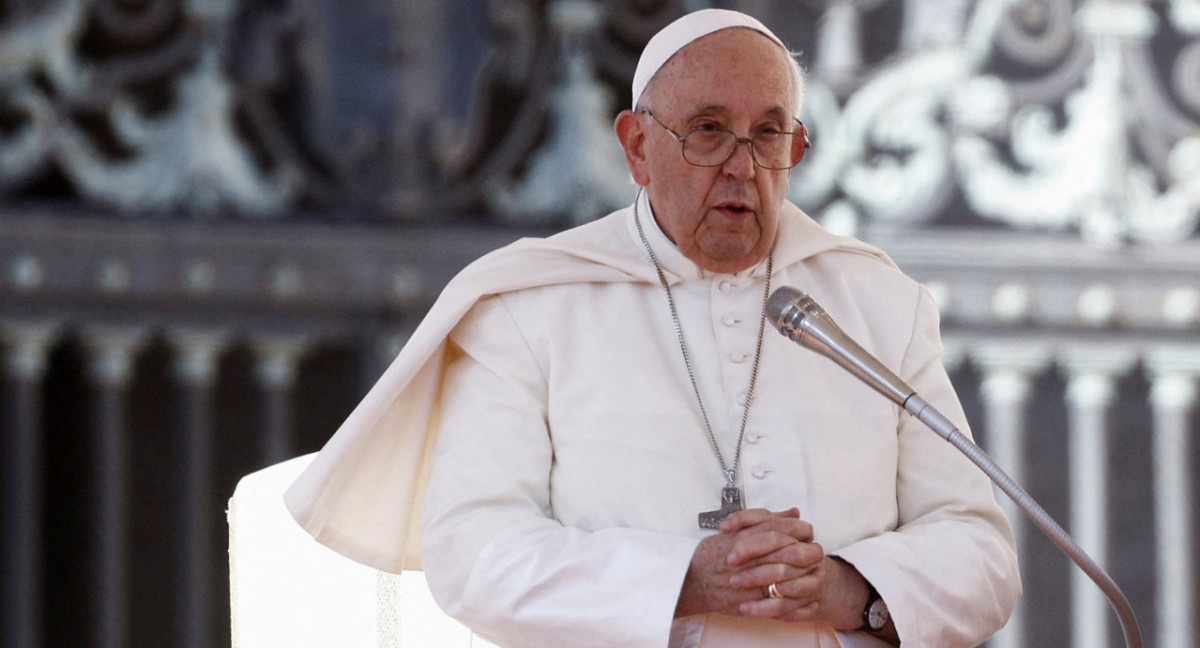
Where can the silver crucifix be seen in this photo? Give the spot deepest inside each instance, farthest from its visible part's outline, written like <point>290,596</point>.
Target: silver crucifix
<point>731,501</point>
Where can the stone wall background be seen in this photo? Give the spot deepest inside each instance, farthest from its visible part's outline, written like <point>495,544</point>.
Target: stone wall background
<point>219,219</point>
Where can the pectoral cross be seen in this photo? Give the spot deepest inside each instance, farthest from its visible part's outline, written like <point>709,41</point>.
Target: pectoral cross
<point>731,501</point>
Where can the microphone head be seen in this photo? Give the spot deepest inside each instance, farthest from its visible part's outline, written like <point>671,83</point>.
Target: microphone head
<point>779,301</point>
<point>794,313</point>
<point>785,314</point>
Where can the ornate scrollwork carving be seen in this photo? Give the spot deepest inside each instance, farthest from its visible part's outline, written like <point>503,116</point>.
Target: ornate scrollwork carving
<point>1037,114</point>
<point>1046,114</point>
<point>133,108</point>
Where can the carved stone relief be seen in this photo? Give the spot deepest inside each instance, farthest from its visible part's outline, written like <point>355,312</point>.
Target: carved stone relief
<point>1045,115</point>
<point>132,106</point>
<point>1077,116</point>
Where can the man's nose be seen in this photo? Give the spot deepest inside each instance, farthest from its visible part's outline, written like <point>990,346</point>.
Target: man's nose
<point>740,163</point>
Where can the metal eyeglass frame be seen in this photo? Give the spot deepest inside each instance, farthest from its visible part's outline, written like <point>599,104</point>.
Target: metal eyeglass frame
<point>682,139</point>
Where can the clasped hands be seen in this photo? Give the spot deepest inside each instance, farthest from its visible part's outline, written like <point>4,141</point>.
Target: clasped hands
<point>732,571</point>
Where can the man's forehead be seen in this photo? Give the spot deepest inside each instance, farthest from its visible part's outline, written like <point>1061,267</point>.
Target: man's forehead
<point>684,31</point>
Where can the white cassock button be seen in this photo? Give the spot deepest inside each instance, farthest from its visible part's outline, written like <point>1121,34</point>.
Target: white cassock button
<point>738,357</point>
<point>760,472</point>
<point>729,320</point>
<point>726,285</point>
<point>753,438</point>
<point>742,399</point>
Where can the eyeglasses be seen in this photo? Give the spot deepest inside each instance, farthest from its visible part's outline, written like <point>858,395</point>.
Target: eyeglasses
<point>770,149</point>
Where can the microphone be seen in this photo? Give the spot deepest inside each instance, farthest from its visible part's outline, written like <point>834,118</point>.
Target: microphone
<point>799,318</point>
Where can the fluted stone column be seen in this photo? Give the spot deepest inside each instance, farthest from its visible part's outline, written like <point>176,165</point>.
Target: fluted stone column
<point>23,350</point>
<point>1092,374</point>
<point>195,365</point>
<point>277,360</point>
<point>1008,373</point>
<point>111,356</point>
<point>1173,393</point>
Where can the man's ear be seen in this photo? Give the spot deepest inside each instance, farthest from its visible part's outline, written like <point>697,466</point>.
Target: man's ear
<point>631,132</point>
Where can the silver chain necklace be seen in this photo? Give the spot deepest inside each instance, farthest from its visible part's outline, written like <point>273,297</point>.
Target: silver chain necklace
<point>731,495</point>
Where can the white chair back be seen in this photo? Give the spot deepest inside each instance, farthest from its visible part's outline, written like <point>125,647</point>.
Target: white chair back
<point>286,589</point>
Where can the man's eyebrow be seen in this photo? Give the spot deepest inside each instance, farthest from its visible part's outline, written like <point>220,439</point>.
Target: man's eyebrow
<point>710,108</point>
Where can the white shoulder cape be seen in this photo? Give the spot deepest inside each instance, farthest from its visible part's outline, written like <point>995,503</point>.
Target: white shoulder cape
<point>361,496</point>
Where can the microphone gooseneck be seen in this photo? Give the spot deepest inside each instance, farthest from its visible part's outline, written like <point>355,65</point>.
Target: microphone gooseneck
<point>799,318</point>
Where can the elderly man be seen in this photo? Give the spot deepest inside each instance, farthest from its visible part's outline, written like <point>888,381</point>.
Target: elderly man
<point>620,455</point>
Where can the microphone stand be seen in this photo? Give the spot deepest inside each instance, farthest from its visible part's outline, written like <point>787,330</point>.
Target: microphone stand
<point>799,318</point>
<point>934,419</point>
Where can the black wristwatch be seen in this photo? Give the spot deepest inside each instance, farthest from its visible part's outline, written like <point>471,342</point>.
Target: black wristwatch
<point>875,614</point>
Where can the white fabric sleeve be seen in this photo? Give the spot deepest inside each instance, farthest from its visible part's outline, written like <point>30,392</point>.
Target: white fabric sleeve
<point>949,570</point>
<point>495,557</point>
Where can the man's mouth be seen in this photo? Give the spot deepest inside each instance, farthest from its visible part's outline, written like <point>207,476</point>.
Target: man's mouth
<point>734,210</point>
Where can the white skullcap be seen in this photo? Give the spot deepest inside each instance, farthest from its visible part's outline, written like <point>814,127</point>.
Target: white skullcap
<point>678,34</point>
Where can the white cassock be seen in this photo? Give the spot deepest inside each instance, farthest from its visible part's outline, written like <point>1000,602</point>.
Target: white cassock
<point>570,459</point>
